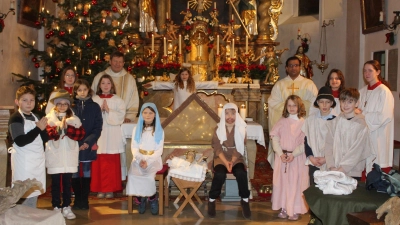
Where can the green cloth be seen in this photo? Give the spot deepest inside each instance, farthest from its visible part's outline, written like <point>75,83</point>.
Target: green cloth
<point>332,209</point>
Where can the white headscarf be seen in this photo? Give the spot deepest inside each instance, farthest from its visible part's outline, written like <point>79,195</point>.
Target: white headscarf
<point>240,128</point>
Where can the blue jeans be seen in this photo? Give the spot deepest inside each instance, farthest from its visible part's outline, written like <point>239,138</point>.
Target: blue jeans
<point>86,168</point>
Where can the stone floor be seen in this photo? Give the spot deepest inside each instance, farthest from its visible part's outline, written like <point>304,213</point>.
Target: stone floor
<point>114,212</point>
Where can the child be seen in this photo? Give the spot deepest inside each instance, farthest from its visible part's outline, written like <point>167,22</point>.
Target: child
<point>290,174</point>
<point>147,148</point>
<point>315,131</point>
<point>347,142</point>
<point>183,86</point>
<point>228,143</point>
<point>67,81</point>
<point>89,113</point>
<point>106,175</point>
<point>335,81</point>
<point>28,134</point>
<point>62,150</point>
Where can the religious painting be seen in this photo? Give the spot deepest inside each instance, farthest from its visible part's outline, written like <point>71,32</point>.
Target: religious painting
<point>372,15</point>
<point>28,12</point>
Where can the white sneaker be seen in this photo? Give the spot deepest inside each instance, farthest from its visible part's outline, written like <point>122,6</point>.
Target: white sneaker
<point>57,209</point>
<point>67,213</point>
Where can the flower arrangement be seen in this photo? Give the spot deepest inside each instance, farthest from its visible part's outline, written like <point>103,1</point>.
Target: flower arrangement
<point>140,69</point>
<point>225,69</point>
<point>258,71</point>
<point>159,68</point>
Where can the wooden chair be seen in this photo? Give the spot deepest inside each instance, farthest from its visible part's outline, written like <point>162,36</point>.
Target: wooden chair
<point>163,192</point>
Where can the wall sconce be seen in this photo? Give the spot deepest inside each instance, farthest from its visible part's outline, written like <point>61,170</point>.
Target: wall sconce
<point>395,23</point>
<point>12,9</point>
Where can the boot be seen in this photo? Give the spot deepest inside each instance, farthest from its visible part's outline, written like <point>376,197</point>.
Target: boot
<point>85,192</point>
<point>76,186</point>
<point>211,209</point>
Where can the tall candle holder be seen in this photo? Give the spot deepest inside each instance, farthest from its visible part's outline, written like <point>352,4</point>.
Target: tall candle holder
<point>164,76</point>
<point>180,59</point>
<point>246,78</point>
<point>233,78</point>
<point>153,57</point>
<point>217,63</point>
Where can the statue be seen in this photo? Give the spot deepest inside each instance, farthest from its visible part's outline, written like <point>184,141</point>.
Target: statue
<point>171,29</point>
<point>214,15</point>
<point>147,21</point>
<point>269,54</point>
<point>229,29</point>
<point>188,16</point>
<point>306,65</point>
<point>248,12</point>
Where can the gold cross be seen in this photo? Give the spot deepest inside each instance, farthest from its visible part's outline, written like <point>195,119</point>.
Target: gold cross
<point>293,88</point>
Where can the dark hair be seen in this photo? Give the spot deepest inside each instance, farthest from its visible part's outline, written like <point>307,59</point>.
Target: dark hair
<point>62,81</point>
<point>377,66</point>
<point>341,78</point>
<point>116,54</point>
<point>292,58</point>
<point>153,124</point>
<point>24,90</point>
<point>191,86</point>
<point>80,82</point>
<point>106,76</point>
<point>349,93</point>
<point>301,109</point>
<point>68,112</point>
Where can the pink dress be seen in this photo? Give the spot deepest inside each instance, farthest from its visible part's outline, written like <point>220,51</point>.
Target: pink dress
<point>288,187</point>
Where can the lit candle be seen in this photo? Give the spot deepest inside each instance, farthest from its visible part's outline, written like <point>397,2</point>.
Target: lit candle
<point>232,18</point>
<point>75,68</point>
<point>57,28</point>
<point>187,5</point>
<point>33,43</point>
<point>180,44</point>
<point>165,46</point>
<point>130,24</point>
<point>115,33</point>
<point>80,20</point>
<point>55,87</point>
<point>247,44</point>
<point>380,16</point>
<point>75,8</point>
<point>29,73</point>
<point>323,58</point>
<point>152,43</point>
<point>242,111</point>
<point>215,5</point>
<point>298,31</point>
<point>167,14</point>
<point>51,55</point>
<point>42,81</point>
<point>69,31</point>
<point>220,107</point>
<point>96,57</point>
<point>12,4</point>
<point>233,48</point>
<point>42,9</point>
<point>85,36</point>
<point>104,20</point>
<point>217,44</point>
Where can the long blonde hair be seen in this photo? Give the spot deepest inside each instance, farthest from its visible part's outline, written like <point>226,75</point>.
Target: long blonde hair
<point>301,109</point>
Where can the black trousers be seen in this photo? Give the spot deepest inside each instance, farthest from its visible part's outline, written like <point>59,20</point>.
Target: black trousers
<point>219,178</point>
<point>311,170</point>
<point>55,189</point>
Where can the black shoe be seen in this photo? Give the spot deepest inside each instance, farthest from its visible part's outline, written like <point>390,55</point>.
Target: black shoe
<point>245,209</point>
<point>211,209</point>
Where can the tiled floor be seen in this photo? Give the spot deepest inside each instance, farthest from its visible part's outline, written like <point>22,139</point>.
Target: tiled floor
<point>114,212</point>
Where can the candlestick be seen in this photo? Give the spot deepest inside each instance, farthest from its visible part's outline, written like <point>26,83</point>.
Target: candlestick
<point>247,44</point>
<point>152,43</point>
<point>242,111</point>
<point>165,46</point>
<point>180,44</point>
<point>217,44</point>
<point>233,48</point>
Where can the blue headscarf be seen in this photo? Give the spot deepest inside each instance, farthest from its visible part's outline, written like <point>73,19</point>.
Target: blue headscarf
<point>158,133</point>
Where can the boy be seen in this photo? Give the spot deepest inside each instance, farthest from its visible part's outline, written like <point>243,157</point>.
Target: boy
<point>315,130</point>
<point>28,134</point>
<point>348,145</point>
<point>228,143</point>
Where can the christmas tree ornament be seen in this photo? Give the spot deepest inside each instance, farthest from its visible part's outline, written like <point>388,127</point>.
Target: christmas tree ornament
<point>103,13</point>
<point>34,59</point>
<point>85,13</point>
<point>48,36</point>
<point>114,9</point>
<point>83,37</point>
<point>68,61</point>
<point>146,93</point>
<point>61,33</point>
<point>79,6</point>
<point>51,33</point>
<point>89,44</point>
<point>37,65</point>
<point>92,61</point>
<point>111,42</point>
<point>37,23</point>
<point>94,2</point>
<point>129,68</point>
<point>130,44</point>
<point>120,32</point>
<point>115,23</point>
<point>124,4</point>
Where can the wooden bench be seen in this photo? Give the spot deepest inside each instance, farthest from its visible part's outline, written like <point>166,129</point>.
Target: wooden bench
<point>364,218</point>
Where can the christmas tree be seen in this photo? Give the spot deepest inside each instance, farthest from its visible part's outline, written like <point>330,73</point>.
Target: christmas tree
<point>83,34</point>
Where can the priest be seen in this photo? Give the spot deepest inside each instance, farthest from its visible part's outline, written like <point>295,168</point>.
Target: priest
<point>293,84</point>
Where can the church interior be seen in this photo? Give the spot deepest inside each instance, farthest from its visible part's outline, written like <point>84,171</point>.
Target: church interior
<point>206,36</point>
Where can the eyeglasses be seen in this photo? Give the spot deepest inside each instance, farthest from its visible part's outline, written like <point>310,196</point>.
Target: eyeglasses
<point>62,105</point>
<point>293,65</point>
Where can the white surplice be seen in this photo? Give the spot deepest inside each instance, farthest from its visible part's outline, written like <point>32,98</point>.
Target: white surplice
<point>379,116</point>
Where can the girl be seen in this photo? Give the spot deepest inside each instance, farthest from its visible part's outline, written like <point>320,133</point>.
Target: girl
<point>89,113</point>
<point>147,148</point>
<point>107,168</point>
<point>290,177</point>
<point>64,130</point>
<point>377,105</point>
<point>183,86</point>
<point>335,81</point>
<point>67,81</point>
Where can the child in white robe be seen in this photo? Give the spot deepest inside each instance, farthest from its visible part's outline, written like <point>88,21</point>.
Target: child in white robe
<point>147,147</point>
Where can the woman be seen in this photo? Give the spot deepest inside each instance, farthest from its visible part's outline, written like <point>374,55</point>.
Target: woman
<point>335,81</point>
<point>67,81</point>
<point>377,105</point>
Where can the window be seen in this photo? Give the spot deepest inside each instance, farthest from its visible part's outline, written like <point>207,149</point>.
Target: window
<point>381,58</point>
<point>308,7</point>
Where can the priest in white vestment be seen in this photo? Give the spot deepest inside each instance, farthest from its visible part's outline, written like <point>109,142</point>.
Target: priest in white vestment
<point>293,84</point>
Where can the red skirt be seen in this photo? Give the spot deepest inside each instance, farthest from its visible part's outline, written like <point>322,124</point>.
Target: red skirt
<point>106,173</point>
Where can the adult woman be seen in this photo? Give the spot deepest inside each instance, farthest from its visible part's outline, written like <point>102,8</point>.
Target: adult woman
<point>377,105</point>
<point>67,81</point>
<point>335,81</point>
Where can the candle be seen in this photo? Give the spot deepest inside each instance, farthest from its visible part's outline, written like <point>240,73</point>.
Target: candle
<point>167,14</point>
<point>42,9</point>
<point>232,18</point>
<point>80,20</point>
<point>130,24</point>
<point>12,4</point>
<point>187,5</point>
<point>298,31</point>
<point>33,43</point>
<point>217,44</point>
<point>42,81</point>
<point>152,43</point>
<point>200,49</point>
<point>75,68</point>
<point>180,44</point>
<point>380,16</point>
<point>51,55</point>
<point>55,87</point>
<point>220,107</point>
<point>115,33</point>
<point>242,111</point>
<point>233,48</point>
<point>75,8</point>
<point>323,58</point>
<point>247,44</point>
<point>85,36</point>
<point>215,5</point>
<point>69,31</point>
<point>29,73</point>
<point>96,57</point>
<point>165,46</point>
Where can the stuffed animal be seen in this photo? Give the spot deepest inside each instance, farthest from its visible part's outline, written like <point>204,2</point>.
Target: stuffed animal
<point>392,208</point>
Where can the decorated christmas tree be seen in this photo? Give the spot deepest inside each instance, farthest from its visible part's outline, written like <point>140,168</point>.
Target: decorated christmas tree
<point>83,34</point>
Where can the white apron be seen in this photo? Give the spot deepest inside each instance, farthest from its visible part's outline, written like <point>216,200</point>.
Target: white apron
<point>29,161</point>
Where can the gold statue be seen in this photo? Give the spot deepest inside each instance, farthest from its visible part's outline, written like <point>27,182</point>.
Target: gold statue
<point>188,16</point>
<point>171,29</point>
<point>229,29</point>
<point>306,65</point>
